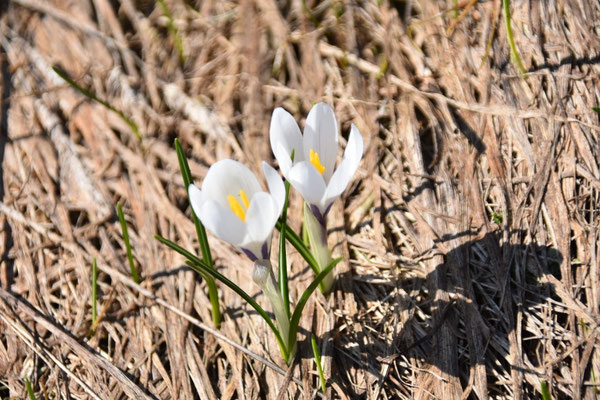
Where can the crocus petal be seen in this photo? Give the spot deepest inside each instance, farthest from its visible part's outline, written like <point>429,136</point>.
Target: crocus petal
<point>321,135</point>
<point>344,172</point>
<point>285,138</point>
<point>196,197</point>
<point>276,186</point>
<point>305,178</point>
<point>228,177</point>
<point>260,218</point>
<point>221,221</point>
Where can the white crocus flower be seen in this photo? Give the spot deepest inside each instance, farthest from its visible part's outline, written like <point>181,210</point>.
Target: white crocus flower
<point>312,170</point>
<point>234,207</point>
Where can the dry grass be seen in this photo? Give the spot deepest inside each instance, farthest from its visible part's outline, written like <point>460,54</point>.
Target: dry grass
<point>470,235</point>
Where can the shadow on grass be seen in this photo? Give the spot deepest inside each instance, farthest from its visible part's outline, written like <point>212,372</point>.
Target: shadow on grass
<point>468,307</point>
<point>570,60</point>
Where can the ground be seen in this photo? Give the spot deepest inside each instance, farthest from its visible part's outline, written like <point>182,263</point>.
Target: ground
<point>469,234</point>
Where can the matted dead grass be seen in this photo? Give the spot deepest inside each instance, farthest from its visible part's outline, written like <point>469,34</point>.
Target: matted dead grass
<point>470,235</point>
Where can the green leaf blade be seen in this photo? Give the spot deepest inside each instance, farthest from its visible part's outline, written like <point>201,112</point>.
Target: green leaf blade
<point>295,320</point>
<point>283,278</point>
<point>514,52</point>
<point>317,355</point>
<point>545,391</point>
<point>132,125</point>
<point>29,389</point>
<point>199,266</point>
<point>134,272</point>
<point>213,293</point>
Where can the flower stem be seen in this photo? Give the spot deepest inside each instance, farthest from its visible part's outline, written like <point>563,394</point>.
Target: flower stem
<point>264,278</point>
<point>300,246</point>
<point>317,238</point>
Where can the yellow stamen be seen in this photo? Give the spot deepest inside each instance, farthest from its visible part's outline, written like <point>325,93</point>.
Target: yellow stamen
<point>244,199</point>
<point>236,207</point>
<point>314,160</point>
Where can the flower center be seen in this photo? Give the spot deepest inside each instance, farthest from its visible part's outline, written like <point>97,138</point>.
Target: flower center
<point>314,160</point>
<point>236,207</point>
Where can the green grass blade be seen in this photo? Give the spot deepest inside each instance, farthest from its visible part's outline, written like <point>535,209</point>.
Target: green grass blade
<point>545,391</point>
<point>134,272</point>
<point>132,125</point>
<point>295,320</point>
<point>299,245</point>
<point>30,393</point>
<point>597,109</point>
<point>514,53</point>
<point>94,291</point>
<point>283,278</point>
<point>313,341</point>
<point>187,181</point>
<point>213,294</point>
<point>455,9</point>
<point>197,265</point>
<point>383,66</point>
<point>174,31</point>
<point>309,14</point>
